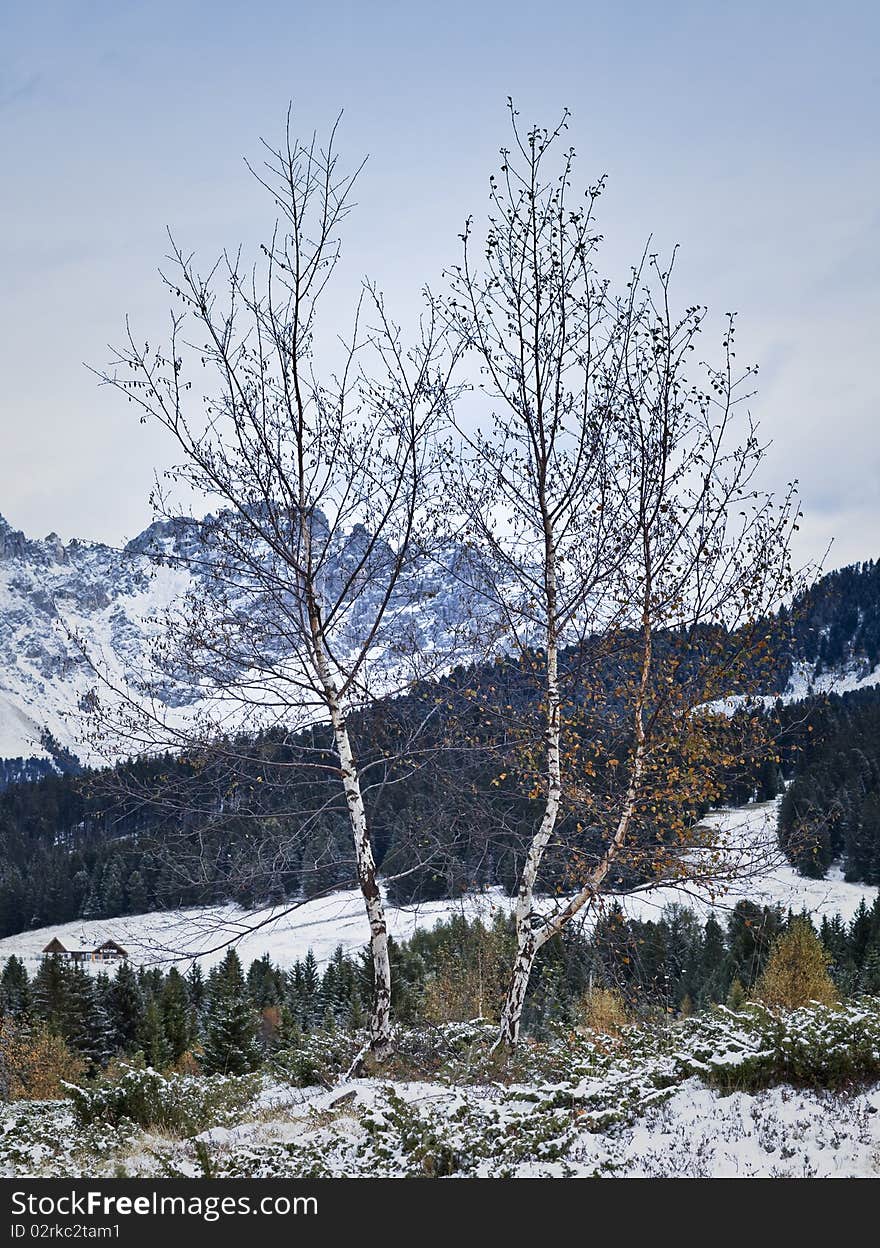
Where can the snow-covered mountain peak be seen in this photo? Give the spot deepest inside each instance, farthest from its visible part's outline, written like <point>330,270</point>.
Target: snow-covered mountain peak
<point>115,598</point>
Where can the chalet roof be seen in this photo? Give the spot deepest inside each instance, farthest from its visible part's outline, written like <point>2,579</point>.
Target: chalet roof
<point>55,946</point>
<point>112,945</point>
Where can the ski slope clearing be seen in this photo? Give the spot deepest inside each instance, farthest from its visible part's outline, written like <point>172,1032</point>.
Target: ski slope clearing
<point>746,839</point>
<point>286,933</point>
<point>803,683</point>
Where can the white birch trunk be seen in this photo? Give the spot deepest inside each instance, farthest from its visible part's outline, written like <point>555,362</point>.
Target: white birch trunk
<point>529,940</point>
<point>597,877</point>
<point>380,1016</point>
<point>511,1015</point>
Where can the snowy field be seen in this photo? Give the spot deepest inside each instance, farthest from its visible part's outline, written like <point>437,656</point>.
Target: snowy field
<point>747,835</point>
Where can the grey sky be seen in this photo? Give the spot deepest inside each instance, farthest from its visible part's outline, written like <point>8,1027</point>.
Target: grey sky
<point>745,132</point>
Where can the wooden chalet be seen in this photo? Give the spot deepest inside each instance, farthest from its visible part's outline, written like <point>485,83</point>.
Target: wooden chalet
<point>109,951</point>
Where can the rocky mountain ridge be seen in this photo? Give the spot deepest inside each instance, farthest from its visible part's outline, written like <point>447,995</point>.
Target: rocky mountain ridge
<point>114,597</point>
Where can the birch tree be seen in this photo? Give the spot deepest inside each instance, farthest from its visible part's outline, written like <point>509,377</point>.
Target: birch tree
<point>611,491</point>
<point>305,573</point>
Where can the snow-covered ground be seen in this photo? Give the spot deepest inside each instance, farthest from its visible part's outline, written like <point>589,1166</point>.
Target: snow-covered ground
<point>747,835</point>
<point>747,838</point>
<point>694,1132</point>
<point>780,1132</point>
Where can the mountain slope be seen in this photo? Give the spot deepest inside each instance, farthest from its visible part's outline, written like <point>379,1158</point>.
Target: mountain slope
<point>115,599</point>
<point>46,588</point>
<point>288,931</point>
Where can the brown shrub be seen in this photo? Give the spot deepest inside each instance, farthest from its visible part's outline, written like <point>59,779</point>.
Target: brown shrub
<point>34,1064</point>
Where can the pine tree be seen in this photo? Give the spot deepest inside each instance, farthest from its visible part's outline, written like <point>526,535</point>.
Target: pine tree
<point>288,1034</point>
<point>79,890</point>
<point>265,985</point>
<point>336,988</point>
<point>231,1025</point>
<point>195,986</point>
<point>79,1006</point>
<point>750,934</point>
<point>50,990</point>
<point>294,999</point>
<point>305,994</point>
<point>713,977</point>
<point>860,933</point>
<point>177,1020</point>
<point>15,990</point>
<point>151,1035</point>
<point>150,980</point>
<point>125,1004</point>
<point>311,979</point>
<point>357,1015</point>
<point>797,970</point>
<point>736,997</point>
<point>869,976</point>
<point>112,894</point>
<point>136,893</point>
<point>100,1036</point>
<point>91,906</point>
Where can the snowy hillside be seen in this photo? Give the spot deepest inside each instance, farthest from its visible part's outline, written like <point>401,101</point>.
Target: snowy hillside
<point>323,924</point>
<point>804,682</point>
<point>203,934</point>
<point>747,835</point>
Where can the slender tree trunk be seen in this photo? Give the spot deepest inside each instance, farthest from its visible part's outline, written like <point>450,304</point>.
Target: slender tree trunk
<point>511,1015</point>
<point>528,941</point>
<point>526,951</point>
<point>380,1017</point>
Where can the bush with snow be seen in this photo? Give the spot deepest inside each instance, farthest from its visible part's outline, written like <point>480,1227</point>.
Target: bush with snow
<point>754,1091</point>
<point>175,1104</point>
